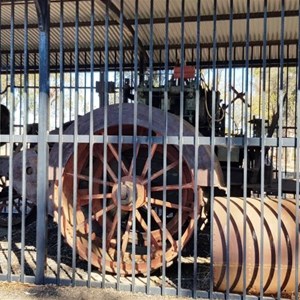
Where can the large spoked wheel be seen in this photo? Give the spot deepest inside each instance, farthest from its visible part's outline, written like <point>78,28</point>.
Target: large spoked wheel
<point>138,214</point>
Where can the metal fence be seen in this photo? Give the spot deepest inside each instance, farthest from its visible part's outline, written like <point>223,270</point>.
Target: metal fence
<point>151,146</point>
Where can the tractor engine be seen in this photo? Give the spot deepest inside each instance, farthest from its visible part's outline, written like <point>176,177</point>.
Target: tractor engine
<point>206,100</point>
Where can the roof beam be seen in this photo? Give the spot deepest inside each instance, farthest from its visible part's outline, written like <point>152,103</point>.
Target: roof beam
<point>220,17</point>
<point>171,47</point>
<point>129,66</point>
<point>57,25</point>
<point>129,23</point>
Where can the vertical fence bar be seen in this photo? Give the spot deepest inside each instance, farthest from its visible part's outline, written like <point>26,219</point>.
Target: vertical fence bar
<point>75,142</point>
<point>245,171</point>
<point>42,175</point>
<point>151,146</point>
<point>25,120</point>
<point>197,190</point>
<point>165,147</point>
<point>280,144</point>
<point>105,133</point>
<point>262,160</point>
<point>181,116</point>
<point>60,143</point>
<point>135,111</point>
<point>11,137</point>
<point>212,147</point>
<point>121,101</point>
<point>91,141</point>
<point>229,146</point>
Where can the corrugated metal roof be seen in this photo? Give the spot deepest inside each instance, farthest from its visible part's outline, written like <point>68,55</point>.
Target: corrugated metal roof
<point>176,11</point>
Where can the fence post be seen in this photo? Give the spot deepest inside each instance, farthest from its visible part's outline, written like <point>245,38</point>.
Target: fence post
<point>43,10</point>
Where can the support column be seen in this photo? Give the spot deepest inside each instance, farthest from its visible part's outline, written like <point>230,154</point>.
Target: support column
<point>43,11</point>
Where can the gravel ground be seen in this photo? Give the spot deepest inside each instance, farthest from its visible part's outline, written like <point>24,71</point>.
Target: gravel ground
<point>171,279</point>
<point>19,291</point>
<point>16,290</point>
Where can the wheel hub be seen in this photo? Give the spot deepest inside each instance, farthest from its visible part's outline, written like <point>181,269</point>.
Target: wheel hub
<point>130,193</point>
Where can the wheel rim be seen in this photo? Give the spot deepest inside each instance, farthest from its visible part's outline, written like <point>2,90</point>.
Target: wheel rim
<point>132,207</point>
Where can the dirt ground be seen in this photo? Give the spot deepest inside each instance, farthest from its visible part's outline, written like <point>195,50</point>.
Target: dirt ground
<point>19,291</point>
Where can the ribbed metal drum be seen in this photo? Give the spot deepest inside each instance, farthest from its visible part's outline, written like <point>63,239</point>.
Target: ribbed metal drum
<point>272,258</point>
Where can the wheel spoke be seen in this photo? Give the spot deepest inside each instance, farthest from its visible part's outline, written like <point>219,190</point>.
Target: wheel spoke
<point>83,194</point>
<point>138,146</point>
<point>148,160</point>
<point>125,238</point>
<point>100,213</point>
<point>96,216</point>
<point>168,204</point>
<point>108,168</point>
<point>95,180</point>
<point>160,172</point>
<point>84,198</point>
<point>145,227</point>
<point>141,220</point>
<point>159,223</point>
<point>112,230</point>
<point>173,187</point>
<point>116,156</point>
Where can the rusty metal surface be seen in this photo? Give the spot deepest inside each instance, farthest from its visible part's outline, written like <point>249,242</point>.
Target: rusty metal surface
<point>141,181</point>
<point>203,168</point>
<point>254,252</point>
